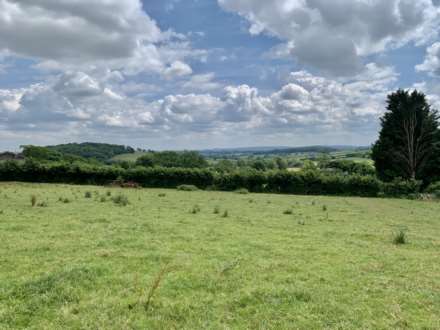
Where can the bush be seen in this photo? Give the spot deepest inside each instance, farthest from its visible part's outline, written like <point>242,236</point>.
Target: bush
<point>88,194</point>
<point>187,187</point>
<point>400,188</point>
<point>434,189</point>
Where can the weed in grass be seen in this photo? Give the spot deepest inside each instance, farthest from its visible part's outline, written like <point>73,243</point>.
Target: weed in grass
<point>162,195</point>
<point>225,214</point>
<point>88,194</point>
<point>66,201</point>
<point>288,212</point>
<point>2,212</point>
<point>43,204</point>
<point>230,266</point>
<point>152,290</point>
<point>33,200</point>
<point>108,193</point>
<point>195,209</point>
<point>400,237</point>
<point>103,199</point>
<point>216,210</point>
<point>251,201</point>
<point>313,203</point>
<point>324,208</point>
<point>301,222</point>
<point>120,200</point>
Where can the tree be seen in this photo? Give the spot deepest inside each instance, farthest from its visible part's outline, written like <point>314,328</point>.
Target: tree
<point>408,139</point>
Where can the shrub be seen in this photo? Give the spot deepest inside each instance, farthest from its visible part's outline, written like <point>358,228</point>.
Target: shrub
<point>88,194</point>
<point>400,237</point>
<point>187,187</point>
<point>433,189</point>
<point>33,200</point>
<point>401,188</point>
<point>120,200</point>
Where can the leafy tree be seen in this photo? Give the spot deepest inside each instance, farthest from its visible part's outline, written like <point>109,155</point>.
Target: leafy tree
<point>409,138</point>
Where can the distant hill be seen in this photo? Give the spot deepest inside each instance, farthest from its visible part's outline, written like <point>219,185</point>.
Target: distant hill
<point>258,151</point>
<point>100,151</point>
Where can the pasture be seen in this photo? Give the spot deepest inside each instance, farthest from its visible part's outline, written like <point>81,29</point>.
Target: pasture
<point>170,259</point>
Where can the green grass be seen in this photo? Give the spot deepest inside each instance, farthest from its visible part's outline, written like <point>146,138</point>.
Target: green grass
<point>153,264</point>
<point>133,157</point>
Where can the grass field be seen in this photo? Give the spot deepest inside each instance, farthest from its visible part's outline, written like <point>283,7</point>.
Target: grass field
<point>178,260</point>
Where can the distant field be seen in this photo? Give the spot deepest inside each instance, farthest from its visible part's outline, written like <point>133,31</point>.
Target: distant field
<point>128,157</point>
<point>269,262</point>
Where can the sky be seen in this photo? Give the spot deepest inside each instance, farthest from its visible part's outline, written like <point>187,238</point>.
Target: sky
<point>197,74</point>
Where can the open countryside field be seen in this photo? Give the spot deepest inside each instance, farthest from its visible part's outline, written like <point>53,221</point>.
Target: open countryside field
<point>211,260</point>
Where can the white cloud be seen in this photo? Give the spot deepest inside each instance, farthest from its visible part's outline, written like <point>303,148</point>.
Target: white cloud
<point>431,64</point>
<point>334,36</point>
<point>83,35</point>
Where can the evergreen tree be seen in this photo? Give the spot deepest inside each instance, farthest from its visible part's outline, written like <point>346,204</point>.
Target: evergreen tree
<point>408,140</point>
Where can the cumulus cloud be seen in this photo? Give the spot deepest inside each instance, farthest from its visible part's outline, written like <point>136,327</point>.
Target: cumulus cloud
<point>431,64</point>
<point>334,36</point>
<point>85,34</point>
<point>306,102</point>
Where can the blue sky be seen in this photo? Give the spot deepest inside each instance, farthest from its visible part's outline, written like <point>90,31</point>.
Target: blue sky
<point>210,73</point>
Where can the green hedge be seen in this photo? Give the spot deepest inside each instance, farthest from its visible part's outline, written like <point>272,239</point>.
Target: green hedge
<point>282,182</point>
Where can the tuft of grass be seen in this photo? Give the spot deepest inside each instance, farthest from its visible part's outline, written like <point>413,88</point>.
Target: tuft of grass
<point>301,222</point>
<point>400,237</point>
<point>324,208</point>
<point>66,200</point>
<point>103,199</point>
<point>187,187</point>
<point>216,210</point>
<point>225,214</point>
<point>162,195</point>
<point>33,200</point>
<point>108,193</point>
<point>195,209</point>
<point>288,212</point>
<point>88,194</point>
<point>120,200</point>
<point>43,204</point>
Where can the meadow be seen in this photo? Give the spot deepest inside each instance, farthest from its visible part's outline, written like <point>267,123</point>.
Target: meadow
<point>86,257</point>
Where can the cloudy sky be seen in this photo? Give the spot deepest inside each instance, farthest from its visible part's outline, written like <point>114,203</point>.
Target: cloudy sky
<point>174,74</point>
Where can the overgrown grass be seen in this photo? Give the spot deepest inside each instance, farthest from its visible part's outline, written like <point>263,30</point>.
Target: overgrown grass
<point>92,265</point>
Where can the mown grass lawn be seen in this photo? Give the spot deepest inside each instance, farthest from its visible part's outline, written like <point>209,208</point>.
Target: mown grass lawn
<point>274,262</point>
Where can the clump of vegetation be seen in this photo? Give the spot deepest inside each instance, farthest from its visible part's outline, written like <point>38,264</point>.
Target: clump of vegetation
<point>400,237</point>
<point>324,208</point>
<point>195,209</point>
<point>33,200</point>
<point>66,200</point>
<point>288,212</point>
<point>216,210</point>
<point>103,199</point>
<point>88,194</point>
<point>225,214</point>
<point>43,204</point>
<point>108,193</point>
<point>242,191</point>
<point>301,222</point>
<point>120,200</point>
<point>162,195</point>
<point>187,187</point>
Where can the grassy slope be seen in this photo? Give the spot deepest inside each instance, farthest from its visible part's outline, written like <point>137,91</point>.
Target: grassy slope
<point>88,264</point>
